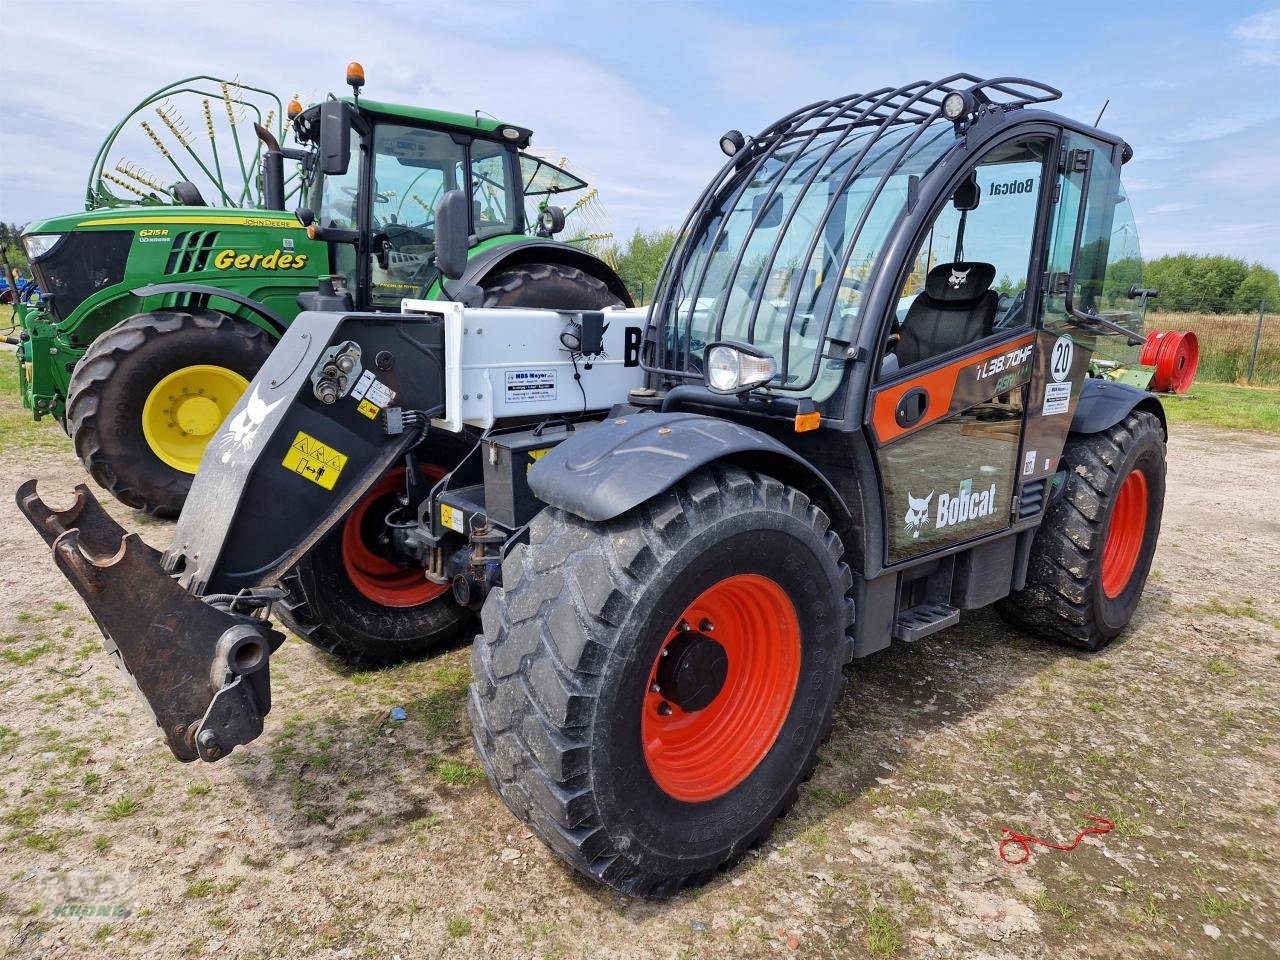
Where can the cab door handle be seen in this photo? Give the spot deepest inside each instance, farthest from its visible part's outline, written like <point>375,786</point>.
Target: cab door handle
<point>911,408</point>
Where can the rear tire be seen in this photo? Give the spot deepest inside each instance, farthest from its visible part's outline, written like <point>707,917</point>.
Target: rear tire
<point>1093,551</point>
<point>562,697</point>
<point>112,382</point>
<point>551,286</point>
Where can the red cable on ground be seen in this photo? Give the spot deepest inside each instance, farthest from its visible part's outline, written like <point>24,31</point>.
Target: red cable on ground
<point>1025,840</point>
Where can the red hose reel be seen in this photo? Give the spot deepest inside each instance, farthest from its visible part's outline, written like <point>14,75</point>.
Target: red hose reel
<point>1175,356</point>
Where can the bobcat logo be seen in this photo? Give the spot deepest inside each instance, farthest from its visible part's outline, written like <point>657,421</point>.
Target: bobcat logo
<point>959,278</point>
<point>241,429</point>
<point>918,513</point>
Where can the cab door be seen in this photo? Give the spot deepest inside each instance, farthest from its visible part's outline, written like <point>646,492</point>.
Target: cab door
<point>947,412</point>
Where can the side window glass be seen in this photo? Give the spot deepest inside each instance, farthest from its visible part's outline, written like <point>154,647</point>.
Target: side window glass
<point>491,192</point>
<point>969,275</point>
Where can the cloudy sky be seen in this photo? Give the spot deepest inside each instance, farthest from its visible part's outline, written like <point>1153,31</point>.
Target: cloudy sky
<point>636,93</point>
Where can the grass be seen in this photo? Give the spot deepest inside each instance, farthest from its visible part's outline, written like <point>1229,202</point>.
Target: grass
<point>1226,342</point>
<point>17,430</point>
<point>458,927</point>
<point>1226,405</point>
<point>124,807</point>
<point>883,937</point>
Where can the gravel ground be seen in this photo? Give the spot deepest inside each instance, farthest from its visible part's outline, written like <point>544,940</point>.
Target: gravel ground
<point>341,833</point>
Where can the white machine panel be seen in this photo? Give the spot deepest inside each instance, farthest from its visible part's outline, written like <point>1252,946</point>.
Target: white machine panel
<point>509,362</point>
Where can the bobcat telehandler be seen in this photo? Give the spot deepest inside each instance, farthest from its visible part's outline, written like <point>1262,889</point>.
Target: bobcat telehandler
<point>158,309</point>
<point>828,434</point>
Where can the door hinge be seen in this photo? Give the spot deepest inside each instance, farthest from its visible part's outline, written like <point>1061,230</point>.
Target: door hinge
<point>1081,160</point>
<point>1057,192</point>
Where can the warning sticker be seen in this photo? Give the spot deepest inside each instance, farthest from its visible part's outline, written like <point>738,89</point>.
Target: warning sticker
<point>451,517</point>
<point>527,386</point>
<point>370,410</point>
<point>1057,398</point>
<point>318,462</point>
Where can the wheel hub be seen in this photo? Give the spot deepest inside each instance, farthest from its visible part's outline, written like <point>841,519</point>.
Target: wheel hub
<point>692,671</point>
<point>196,415</point>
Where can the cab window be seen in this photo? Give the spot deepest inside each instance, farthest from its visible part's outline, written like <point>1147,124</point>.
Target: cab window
<point>968,278</point>
<point>412,170</point>
<point>493,212</point>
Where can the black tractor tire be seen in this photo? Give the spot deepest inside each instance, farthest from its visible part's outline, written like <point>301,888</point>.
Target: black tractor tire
<point>113,379</point>
<point>325,608</point>
<point>562,668</point>
<point>1066,597</point>
<point>552,286</point>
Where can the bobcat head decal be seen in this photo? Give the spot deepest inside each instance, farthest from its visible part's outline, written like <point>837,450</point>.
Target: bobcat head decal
<point>959,278</point>
<point>918,513</point>
<point>241,429</point>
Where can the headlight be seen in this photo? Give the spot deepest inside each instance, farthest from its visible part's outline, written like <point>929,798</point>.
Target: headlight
<point>957,105</point>
<point>38,244</point>
<point>737,368</point>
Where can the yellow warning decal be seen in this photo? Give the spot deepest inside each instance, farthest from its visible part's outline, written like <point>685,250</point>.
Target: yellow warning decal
<point>316,461</point>
<point>370,410</point>
<point>451,517</point>
<point>536,455</point>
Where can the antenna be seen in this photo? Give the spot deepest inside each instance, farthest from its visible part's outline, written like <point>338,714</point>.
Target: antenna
<point>1102,111</point>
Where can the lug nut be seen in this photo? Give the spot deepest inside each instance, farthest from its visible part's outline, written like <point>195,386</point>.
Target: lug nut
<point>653,687</point>
<point>664,709</point>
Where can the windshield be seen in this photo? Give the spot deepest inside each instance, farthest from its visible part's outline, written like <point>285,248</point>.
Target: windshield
<point>792,249</point>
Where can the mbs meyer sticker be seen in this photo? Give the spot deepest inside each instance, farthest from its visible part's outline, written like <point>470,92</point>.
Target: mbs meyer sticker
<point>275,260</point>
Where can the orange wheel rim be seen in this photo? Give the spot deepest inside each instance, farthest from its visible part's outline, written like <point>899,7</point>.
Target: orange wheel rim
<point>1125,534</point>
<point>699,754</point>
<point>371,571</point>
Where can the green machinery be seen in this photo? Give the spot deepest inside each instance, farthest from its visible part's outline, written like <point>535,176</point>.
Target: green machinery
<point>159,303</point>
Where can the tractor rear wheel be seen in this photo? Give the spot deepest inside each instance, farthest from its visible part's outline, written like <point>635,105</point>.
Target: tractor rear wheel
<point>350,596</point>
<point>650,692</point>
<point>1093,551</point>
<point>552,286</point>
<point>150,393</point>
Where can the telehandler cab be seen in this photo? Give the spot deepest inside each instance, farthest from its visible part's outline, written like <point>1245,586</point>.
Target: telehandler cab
<point>858,406</point>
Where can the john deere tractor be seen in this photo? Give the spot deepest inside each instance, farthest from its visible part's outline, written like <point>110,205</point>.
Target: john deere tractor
<point>155,316</point>
<point>859,406</point>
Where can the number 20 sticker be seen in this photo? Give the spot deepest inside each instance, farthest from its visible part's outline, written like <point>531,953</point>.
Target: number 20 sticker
<point>1060,359</point>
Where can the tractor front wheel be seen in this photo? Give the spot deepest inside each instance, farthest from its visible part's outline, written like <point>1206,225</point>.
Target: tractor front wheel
<point>150,393</point>
<point>650,692</point>
<point>1091,556</point>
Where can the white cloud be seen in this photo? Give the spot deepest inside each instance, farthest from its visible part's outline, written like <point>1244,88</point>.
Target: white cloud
<point>1260,35</point>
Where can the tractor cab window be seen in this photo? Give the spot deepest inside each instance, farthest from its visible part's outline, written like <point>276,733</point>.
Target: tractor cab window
<point>492,196</point>
<point>412,170</point>
<point>968,279</point>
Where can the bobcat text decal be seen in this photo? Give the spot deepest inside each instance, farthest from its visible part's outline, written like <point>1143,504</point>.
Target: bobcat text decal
<point>953,509</point>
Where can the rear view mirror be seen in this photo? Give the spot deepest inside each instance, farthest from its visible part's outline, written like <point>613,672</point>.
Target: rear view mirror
<point>335,138</point>
<point>452,234</point>
<point>772,216</point>
<point>968,194</point>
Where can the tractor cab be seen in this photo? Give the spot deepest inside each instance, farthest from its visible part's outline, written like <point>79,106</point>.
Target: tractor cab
<point>375,175</point>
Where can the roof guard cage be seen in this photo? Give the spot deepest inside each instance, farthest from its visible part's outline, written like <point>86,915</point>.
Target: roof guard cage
<point>881,110</point>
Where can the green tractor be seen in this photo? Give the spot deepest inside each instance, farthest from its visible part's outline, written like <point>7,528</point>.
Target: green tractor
<point>155,316</point>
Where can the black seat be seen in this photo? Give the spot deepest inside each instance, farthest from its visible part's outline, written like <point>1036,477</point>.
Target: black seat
<point>957,306</point>
<point>188,194</point>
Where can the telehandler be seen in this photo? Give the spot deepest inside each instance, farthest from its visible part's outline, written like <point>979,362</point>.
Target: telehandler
<point>830,432</point>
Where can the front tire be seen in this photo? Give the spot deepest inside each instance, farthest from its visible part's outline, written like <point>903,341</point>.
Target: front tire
<point>1091,556</point>
<point>649,790</point>
<point>151,392</point>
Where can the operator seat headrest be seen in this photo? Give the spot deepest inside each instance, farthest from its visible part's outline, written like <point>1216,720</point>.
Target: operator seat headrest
<point>960,282</point>
<point>188,194</point>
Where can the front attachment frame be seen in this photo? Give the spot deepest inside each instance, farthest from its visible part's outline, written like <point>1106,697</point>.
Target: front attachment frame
<point>201,669</point>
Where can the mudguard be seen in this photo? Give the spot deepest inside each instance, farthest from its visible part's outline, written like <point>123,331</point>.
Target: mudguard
<point>607,470</point>
<point>538,250</point>
<point>1104,403</point>
<point>275,323</point>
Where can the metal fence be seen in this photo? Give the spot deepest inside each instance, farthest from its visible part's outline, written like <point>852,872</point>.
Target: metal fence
<point>1239,343</point>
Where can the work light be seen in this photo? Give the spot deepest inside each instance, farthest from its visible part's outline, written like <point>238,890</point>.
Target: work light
<point>732,142</point>
<point>737,367</point>
<point>38,244</point>
<point>957,105</point>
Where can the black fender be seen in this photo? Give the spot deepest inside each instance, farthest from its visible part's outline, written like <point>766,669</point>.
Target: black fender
<point>275,325</point>
<point>604,471</point>
<point>1104,403</point>
<point>541,250</point>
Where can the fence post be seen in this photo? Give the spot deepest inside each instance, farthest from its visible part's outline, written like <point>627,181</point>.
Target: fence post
<point>1257,337</point>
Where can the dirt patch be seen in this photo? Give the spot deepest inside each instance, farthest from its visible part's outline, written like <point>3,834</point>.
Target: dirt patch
<point>342,833</point>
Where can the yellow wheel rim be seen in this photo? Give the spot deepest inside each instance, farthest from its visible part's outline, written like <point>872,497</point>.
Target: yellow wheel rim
<point>185,409</point>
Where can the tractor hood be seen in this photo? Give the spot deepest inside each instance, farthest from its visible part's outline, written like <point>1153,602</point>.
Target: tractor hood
<point>135,218</point>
